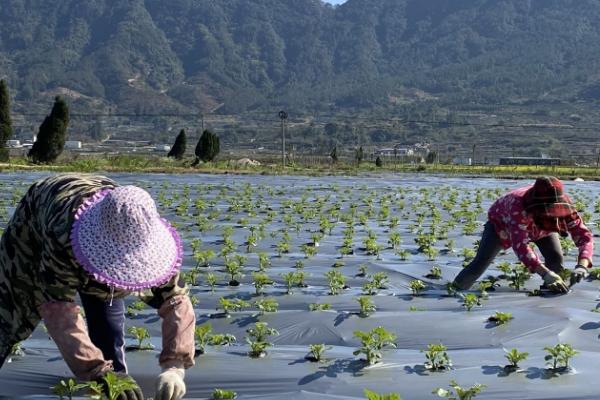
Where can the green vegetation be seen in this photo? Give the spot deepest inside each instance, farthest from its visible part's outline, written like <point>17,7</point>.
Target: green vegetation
<point>370,395</point>
<point>222,394</point>
<point>316,352</point>
<point>437,358</point>
<point>417,286</point>
<point>471,300</point>
<point>514,357</point>
<point>178,149</point>
<point>52,134</point>
<point>67,388</point>
<point>560,355</point>
<point>5,120</point>
<point>208,147</point>
<point>373,343</point>
<point>257,339</point>
<point>500,318</point>
<point>140,334</point>
<point>459,393</point>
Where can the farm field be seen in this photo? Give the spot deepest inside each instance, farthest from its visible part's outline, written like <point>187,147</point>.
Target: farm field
<point>305,250</point>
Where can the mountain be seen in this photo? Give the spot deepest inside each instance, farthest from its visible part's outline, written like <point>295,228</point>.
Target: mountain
<point>147,56</point>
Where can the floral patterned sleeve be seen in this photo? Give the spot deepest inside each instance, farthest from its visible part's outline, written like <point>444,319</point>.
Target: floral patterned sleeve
<point>582,236</point>
<point>519,237</point>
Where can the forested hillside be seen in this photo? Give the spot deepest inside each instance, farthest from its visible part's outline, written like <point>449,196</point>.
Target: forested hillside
<point>237,55</point>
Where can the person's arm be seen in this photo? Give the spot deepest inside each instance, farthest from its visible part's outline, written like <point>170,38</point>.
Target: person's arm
<point>179,322</point>
<point>583,239</point>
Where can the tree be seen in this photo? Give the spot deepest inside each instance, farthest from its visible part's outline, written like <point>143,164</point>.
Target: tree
<point>359,155</point>
<point>5,122</point>
<point>178,149</point>
<point>334,155</point>
<point>52,134</point>
<point>208,147</point>
<point>378,162</point>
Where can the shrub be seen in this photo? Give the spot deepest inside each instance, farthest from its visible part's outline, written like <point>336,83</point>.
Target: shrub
<point>208,146</point>
<point>178,149</point>
<point>52,134</point>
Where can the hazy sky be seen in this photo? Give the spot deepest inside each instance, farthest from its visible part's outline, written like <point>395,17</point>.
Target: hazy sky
<point>335,1</point>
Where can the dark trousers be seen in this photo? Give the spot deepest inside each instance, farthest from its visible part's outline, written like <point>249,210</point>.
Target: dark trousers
<point>489,247</point>
<point>106,329</point>
<point>106,324</point>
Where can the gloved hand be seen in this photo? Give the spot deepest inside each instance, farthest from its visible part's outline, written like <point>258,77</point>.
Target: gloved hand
<point>129,394</point>
<point>580,272</point>
<point>170,384</point>
<point>555,283</point>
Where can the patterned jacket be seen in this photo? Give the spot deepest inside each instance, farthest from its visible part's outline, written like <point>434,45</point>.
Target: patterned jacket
<point>37,266</point>
<point>516,229</point>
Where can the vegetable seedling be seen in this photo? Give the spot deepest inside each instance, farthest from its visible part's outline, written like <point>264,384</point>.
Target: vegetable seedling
<point>560,355</point>
<point>222,394</point>
<point>67,388</point>
<point>257,339</point>
<point>211,281</point>
<point>362,271</point>
<point>367,307</point>
<point>500,318</point>
<point>266,305</point>
<point>260,281</point>
<point>202,334</point>
<point>316,352</point>
<point>228,305</point>
<point>434,273</point>
<point>134,308</point>
<point>370,395</point>
<point>117,384</point>
<point>459,393</point>
<point>373,342</point>
<point>437,358</point>
<point>517,276</point>
<point>336,281</point>
<point>319,307</point>
<point>140,334</point>
<point>514,357</point>
<point>471,300</point>
<point>234,269</point>
<point>222,339</point>
<point>416,286</point>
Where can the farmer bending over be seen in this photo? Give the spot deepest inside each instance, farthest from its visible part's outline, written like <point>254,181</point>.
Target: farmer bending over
<point>537,214</point>
<point>78,234</point>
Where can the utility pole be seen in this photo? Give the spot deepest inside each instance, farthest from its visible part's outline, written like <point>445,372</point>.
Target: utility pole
<point>473,159</point>
<point>283,116</point>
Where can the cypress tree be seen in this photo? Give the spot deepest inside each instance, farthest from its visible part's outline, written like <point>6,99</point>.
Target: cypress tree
<point>334,155</point>
<point>5,121</point>
<point>178,149</point>
<point>359,155</point>
<point>208,146</point>
<point>378,162</point>
<point>52,134</point>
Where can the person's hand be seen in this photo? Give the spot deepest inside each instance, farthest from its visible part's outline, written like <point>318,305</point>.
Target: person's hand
<point>555,283</point>
<point>170,384</point>
<point>580,272</point>
<point>132,393</point>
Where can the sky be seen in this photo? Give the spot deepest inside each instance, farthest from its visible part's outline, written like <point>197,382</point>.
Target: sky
<point>335,1</point>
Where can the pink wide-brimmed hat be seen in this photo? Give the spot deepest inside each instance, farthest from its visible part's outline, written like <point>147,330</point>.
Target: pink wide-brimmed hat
<point>121,240</point>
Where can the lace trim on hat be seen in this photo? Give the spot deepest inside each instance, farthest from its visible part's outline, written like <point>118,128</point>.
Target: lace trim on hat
<point>102,277</point>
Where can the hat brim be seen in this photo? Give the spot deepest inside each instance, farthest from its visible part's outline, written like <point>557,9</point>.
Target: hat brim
<point>119,263</point>
<point>555,210</point>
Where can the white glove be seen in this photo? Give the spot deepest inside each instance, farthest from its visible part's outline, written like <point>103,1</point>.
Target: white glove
<point>170,384</point>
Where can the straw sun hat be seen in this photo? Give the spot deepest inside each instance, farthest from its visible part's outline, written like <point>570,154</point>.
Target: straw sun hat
<point>121,240</point>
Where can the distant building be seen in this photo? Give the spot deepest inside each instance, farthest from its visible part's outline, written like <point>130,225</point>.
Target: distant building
<point>529,161</point>
<point>163,148</point>
<point>73,144</point>
<point>392,152</point>
<point>462,161</point>
<point>13,143</point>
